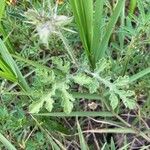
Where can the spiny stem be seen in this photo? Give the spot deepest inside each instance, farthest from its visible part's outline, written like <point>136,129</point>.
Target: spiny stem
<point>69,50</point>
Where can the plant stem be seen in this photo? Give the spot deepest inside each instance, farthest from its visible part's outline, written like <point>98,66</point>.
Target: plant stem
<point>74,114</point>
<point>67,47</point>
<point>120,130</point>
<point>6,143</point>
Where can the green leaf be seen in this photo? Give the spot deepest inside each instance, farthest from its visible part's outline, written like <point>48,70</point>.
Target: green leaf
<point>3,3</point>
<point>82,79</point>
<point>32,16</point>
<point>86,81</point>
<point>128,98</point>
<point>139,75</point>
<point>45,76</point>
<point>122,81</point>
<point>83,13</point>
<point>67,105</point>
<point>114,100</point>
<point>79,113</point>
<point>109,29</point>
<point>97,24</point>
<point>61,20</point>
<point>64,66</point>
<point>93,86</point>
<point>113,147</point>
<point>49,104</point>
<point>8,76</point>
<point>101,65</point>
<point>7,58</point>
<point>141,10</point>
<point>36,106</point>
<point>2,28</point>
<point>83,144</point>
<point>67,100</point>
<point>130,103</point>
<point>132,6</point>
<point>6,143</point>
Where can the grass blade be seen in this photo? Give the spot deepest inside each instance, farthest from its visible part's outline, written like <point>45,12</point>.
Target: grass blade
<point>83,144</point>
<point>4,66</point>
<point>97,25</point>
<point>2,2</point>
<point>99,53</point>
<point>113,147</point>
<point>13,66</point>
<point>88,14</point>
<point>122,34</point>
<point>139,75</point>
<point>74,114</point>
<point>6,38</point>
<point>6,143</point>
<point>8,76</point>
<point>2,31</point>
<point>132,6</point>
<point>83,13</point>
<point>141,9</point>
<point>120,130</point>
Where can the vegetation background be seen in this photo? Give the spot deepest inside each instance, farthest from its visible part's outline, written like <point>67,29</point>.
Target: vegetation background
<point>75,74</point>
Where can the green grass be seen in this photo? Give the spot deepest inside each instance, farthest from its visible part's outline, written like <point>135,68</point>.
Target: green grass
<point>132,6</point>
<point>2,8</point>
<point>7,144</point>
<point>86,87</point>
<point>10,69</point>
<point>90,25</point>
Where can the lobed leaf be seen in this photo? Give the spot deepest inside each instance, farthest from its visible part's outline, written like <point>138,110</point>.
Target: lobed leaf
<point>86,81</point>
<point>67,101</point>
<point>114,100</point>
<point>36,106</point>
<point>101,65</point>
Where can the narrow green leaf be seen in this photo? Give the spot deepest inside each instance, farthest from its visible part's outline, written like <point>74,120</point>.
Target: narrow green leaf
<point>139,75</point>
<point>2,31</point>
<point>74,114</point>
<point>121,130</point>
<point>8,76</point>
<point>113,147</point>
<point>132,6</point>
<point>6,143</point>
<point>109,29</point>
<point>13,66</point>
<point>4,66</point>
<point>6,38</point>
<point>2,3</point>
<point>104,146</point>
<point>88,13</point>
<point>83,13</point>
<point>122,34</point>
<point>97,25</point>
<point>79,18</point>
<point>125,147</point>
<point>83,144</point>
<point>141,9</point>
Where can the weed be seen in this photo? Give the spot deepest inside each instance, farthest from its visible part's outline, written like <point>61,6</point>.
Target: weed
<point>58,92</point>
